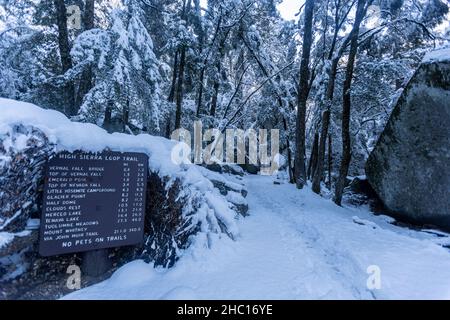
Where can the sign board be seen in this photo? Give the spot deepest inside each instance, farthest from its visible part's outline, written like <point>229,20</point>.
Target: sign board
<point>93,201</point>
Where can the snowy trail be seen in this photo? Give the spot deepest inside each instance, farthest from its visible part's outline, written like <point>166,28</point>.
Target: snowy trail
<point>327,277</point>
<point>294,245</point>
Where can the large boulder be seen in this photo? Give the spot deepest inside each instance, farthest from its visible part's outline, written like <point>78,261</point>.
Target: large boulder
<point>409,167</point>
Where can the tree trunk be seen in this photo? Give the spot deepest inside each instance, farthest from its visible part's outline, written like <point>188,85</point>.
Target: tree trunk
<point>299,170</point>
<point>313,157</point>
<point>330,161</point>
<point>179,90</point>
<point>200,91</point>
<point>326,121</point>
<point>108,113</point>
<point>205,61</point>
<point>216,92</point>
<point>198,27</point>
<point>86,76</point>
<point>88,18</point>
<point>214,99</point>
<point>346,104</point>
<point>126,116</point>
<point>291,174</point>
<point>218,74</point>
<point>63,35</point>
<point>64,52</point>
<point>174,78</point>
<point>318,173</point>
<point>168,129</point>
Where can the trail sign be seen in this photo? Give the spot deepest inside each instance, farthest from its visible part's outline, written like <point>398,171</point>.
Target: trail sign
<point>93,201</point>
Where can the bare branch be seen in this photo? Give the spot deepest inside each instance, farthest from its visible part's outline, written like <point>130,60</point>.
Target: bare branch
<point>253,93</point>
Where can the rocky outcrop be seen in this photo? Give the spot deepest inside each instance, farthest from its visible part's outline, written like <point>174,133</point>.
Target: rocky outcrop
<point>409,167</point>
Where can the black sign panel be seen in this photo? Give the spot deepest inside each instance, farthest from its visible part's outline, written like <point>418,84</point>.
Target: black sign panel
<point>93,201</point>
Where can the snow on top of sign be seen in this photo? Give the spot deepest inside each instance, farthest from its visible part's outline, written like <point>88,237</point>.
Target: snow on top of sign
<point>71,136</point>
<point>441,54</point>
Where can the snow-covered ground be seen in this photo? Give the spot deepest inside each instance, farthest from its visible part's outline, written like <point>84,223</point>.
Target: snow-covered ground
<point>295,245</point>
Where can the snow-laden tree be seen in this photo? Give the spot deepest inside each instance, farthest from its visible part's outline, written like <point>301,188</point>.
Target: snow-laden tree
<point>28,54</point>
<point>126,74</point>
